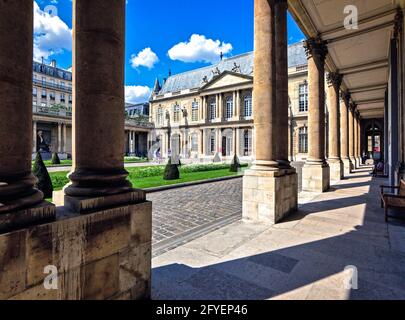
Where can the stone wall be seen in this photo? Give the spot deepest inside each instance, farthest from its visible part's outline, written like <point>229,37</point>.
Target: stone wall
<point>102,255</point>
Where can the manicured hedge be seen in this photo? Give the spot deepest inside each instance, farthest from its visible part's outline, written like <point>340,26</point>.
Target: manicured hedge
<point>159,170</point>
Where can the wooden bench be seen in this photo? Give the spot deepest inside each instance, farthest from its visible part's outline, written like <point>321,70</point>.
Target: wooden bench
<point>390,200</point>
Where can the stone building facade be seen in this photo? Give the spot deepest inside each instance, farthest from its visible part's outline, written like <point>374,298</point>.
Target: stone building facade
<point>208,112</point>
<point>52,115</point>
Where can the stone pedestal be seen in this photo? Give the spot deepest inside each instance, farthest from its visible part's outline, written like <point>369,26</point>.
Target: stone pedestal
<point>315,177</point>
<point>13,220</point>
<point>336,169</point>
<point>269,196</point>
<point>347,167</point>
<point>88,204</point>
<point>102,255</point>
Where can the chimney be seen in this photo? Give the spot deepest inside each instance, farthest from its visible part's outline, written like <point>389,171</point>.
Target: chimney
<point>53,63</point>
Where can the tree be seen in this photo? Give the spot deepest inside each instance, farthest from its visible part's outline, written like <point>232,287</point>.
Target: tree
<point>44,180</point>
<point>55,158</point>
<point>171,171</point>
<point>235,165</point>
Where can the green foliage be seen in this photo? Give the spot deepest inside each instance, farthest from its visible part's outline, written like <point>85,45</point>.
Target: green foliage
<point>171,171</point>
<point>44,180</point>
<point>235,165</point>
<point>55,158</point>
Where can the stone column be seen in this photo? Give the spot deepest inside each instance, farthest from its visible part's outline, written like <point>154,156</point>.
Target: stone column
<point>316,172</point>
<point>238,142</point>
<point>218,141</point>
<point>344,135</point>
<point>358,153</point>
<point>220,107</point>
<point>203,109</point>
<point>64,149</point>
<point>351,137</point>
<point>59,137</point>
<point>20,203</point>
<point>334,160</point>
<point>217,105</point>
<point>98,107</point>
<point>270,187</point>
<point>237,104</point>
<point>34,137</point>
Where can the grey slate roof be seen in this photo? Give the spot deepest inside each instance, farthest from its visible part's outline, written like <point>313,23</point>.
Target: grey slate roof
<point>194,79</point>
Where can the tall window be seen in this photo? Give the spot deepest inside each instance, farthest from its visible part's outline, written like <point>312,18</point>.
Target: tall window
<point>248,106</point>
<point>303,97</point>
<point>194,111</point>
<point>229,107</point>
<point>212,142</point>
<point>194,143</point>
<point>176,113</point>
<point>247,146</point>
<point>43,95</point>
<point>303,140</point>
<point>159,116</point>
<point>213,110</point>
<point>34,92</point>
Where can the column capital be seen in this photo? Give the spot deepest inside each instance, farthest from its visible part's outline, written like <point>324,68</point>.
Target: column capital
<point>334,79</point>
<point>398,22</point>
<point>353,107</point>
<point>316,48</point>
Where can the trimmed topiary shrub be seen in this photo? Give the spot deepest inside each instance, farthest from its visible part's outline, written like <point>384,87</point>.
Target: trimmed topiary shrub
<point>171,171</point>
<point>55,158</point>
<point>44,180</point>
<point>235,165</point>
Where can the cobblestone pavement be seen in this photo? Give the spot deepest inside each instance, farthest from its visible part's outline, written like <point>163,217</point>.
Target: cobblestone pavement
<point>337,238</point>
<point>180,215</point>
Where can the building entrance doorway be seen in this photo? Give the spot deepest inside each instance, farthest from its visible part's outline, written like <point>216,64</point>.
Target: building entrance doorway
<point>374,138</point>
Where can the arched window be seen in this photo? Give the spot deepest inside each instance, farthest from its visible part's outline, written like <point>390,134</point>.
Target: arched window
<point>176,113</point>
<point>303,97</point>
<point>194,111</point>
<point>303,140</point>
<point>194,142</point>
<point>247,143</point>
<point>213,109</point>
<point>229,107</point>
<point>212,142</point>
<point>248,106</point>
<point>159,116</point>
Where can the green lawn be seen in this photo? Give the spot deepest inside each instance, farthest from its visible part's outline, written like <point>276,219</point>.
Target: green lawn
<point>59,179</point>
<point>68,163</point>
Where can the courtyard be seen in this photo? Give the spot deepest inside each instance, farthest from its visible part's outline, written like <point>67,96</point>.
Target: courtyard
<point>303,257</point>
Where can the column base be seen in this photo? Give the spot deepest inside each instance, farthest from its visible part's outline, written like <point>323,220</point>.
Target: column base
<point>316,177</point>
<point>84,205</point>
<point>269,196</point>
<point>14,220</point>
<point>353,164</point>
<point>347,167</point>
<point>103,255</point>
<point>336,170</point>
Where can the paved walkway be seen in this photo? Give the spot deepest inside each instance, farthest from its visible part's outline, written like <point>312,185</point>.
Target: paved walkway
<point>302,258</point>
<point>180,215</point>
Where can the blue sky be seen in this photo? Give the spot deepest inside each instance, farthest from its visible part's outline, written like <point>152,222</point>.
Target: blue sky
<point>179,35</point>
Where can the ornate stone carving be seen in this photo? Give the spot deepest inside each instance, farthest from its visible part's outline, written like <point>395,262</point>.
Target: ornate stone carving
<point>334,79</point>
<point>236,68</point>
<point>216,72</point>
<point>316,48</point>
<point>205,80</point>
<point>399,20</point>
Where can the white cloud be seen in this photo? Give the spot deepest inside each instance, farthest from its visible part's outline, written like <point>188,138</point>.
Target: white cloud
<point>199,49</point>
<point>51,34</point>
<point>145,58</point>
<point>137,94</point>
